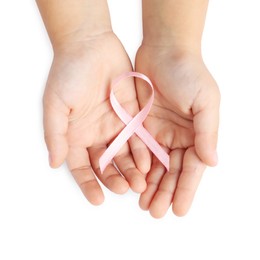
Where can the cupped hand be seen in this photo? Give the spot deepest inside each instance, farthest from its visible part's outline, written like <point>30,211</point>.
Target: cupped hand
<point>79,121</point>
<point>184,120</point>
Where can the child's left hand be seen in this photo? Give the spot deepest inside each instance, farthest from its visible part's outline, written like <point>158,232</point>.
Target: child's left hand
<point>184,120</point>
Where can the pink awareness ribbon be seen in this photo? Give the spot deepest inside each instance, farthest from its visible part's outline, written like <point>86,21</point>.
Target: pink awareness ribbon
<point>133,125</point>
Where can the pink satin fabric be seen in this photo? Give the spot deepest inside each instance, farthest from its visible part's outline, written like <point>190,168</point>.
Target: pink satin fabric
<point>133,125</point>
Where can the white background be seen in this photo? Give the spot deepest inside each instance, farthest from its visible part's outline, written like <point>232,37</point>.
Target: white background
<point>43,214</point>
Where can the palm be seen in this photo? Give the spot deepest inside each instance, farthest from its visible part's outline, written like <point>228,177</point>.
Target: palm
<point>179,85</point>
<point>78,86</point>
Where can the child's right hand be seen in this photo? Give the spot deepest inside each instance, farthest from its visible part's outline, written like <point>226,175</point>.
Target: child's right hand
<point>79,121</point>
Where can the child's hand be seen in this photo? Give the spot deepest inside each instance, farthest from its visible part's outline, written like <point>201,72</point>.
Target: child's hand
<point>79,121</point>
<point>183,119</point>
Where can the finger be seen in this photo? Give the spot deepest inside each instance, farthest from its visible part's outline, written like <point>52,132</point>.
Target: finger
<point>206,122</point>
<point>188,182</point>
<point>141,154</point>
<point>55,119</point>
<point>111,178</point>
<point>164,195</point>
<point>127,167</point>
<point>153,180</point>
<point>79,165</point>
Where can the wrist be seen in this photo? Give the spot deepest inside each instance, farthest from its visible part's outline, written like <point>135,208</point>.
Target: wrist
<point>79,39</point>
<point>158,33</point>
<point>175,55</point>
<point>170,44</point>
<point>81,33</point>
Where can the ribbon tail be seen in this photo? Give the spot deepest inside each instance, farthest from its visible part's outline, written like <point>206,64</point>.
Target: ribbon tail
<point>156,149</point>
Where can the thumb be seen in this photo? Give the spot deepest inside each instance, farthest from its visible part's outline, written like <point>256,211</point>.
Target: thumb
<point>55,120</point>
<point>206,122</point>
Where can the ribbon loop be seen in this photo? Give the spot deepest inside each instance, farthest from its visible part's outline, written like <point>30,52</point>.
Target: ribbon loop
<point>133,125</point>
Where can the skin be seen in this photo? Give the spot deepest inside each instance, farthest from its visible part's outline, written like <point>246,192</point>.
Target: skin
<point>185,115</point>
<point>79,121</point>
<point>78,116</point>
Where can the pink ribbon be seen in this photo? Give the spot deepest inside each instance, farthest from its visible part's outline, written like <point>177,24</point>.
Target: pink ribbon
<point>133,125</point>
